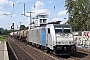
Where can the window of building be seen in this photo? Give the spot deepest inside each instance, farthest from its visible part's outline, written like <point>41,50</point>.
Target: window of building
<point>44,20</point>
<point>40,20</point>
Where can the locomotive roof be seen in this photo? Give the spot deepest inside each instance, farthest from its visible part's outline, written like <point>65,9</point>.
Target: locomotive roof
<point>56,22</point>
<point>58,25</point>
<point>62,25</point>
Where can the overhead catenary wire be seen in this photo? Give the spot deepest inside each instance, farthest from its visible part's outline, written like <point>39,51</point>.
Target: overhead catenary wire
<point>14,10</point>
<point>54,7</point>
<point>13,7</point>
<point>17,6</point>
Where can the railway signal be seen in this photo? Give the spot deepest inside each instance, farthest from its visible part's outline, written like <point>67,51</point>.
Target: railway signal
<point>12,27</point>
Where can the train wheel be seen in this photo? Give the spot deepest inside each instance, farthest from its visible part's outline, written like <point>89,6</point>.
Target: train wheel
<point>67,49</point>
<point>47,50</point>
<point>51,52</point>
<point>54,52</point>
<point>74,48</point>
<point>42,48</point>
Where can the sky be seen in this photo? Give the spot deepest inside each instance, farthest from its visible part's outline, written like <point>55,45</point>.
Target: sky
<point>55,9</point>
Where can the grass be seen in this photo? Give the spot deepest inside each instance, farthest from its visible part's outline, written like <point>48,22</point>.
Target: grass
<point>2,38</point>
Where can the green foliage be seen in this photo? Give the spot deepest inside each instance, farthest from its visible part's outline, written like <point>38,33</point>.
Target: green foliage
<point>26,28</point>
<point>22,27</point>
<point>2,38</point>
<point>7,32</point>
<point>1,31</point>
<point>80,14</point>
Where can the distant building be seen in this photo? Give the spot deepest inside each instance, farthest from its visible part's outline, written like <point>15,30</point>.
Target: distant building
<point>40,20</point>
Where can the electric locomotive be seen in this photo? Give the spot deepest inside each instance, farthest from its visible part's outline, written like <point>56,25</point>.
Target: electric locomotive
<point>56,38</point>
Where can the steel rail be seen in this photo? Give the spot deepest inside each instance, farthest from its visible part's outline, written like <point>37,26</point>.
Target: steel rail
<point>24,50</point>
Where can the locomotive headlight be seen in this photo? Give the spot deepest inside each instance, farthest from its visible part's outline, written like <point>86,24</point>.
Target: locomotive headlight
<point>66,35</point>
<point>62,35</point>
<point>70,42</point>
<point>70,35</point>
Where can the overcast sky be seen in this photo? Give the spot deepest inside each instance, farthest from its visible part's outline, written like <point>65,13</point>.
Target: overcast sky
<point>54,8</point>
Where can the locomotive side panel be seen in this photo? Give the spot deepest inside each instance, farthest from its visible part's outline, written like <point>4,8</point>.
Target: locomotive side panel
<point>34,36</point>
<point>50,36</point>
<point>30,36</point>
<point>43,37</point>
<point>38,34</point>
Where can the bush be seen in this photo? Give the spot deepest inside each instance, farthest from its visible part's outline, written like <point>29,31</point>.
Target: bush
<point>2,38</point>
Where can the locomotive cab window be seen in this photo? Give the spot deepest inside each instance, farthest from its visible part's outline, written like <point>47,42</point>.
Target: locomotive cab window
<point>66,31</point>
<point>58,30</point>
<point>48,31</point>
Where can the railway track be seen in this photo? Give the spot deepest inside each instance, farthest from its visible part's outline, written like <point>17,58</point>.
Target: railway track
<point>37,55</point>
<point>19,53</point>
<point>42,55</point>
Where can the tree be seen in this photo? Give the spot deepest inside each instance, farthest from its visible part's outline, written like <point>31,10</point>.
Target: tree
<point>6,32</point>
<point>1,30</point>
<point>79,11</point>
<point>22,27</point>
<point>27,27</point>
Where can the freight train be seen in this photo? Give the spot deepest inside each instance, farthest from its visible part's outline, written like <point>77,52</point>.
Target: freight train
<point>51,37</point>
<point>56,38</point>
